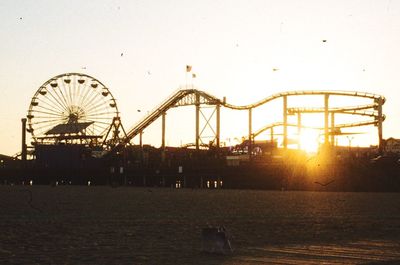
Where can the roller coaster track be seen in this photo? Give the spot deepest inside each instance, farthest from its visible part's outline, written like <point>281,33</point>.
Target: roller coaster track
<point>337,126</point>
<point>186,97</point>
<point>277,124</point>
<point>353,110</point>
<point>178,98</point>
<point>305,93</point>
<point>341,109</point>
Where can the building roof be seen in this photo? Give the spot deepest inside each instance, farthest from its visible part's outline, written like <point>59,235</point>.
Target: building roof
<point>68,128</point>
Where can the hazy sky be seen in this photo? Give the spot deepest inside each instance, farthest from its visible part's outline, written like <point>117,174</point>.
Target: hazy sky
<point>233,47</point>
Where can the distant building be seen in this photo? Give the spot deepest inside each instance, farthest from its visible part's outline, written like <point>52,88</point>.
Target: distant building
<point>392,146</point>
<point>356,152</point>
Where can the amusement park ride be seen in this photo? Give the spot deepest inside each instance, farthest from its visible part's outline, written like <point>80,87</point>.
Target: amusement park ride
<point>75,108</point>
<point>78,138</point>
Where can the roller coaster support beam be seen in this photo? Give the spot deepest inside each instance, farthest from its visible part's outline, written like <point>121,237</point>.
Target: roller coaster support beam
<point>23,146</point>
<point>326,114</point>
<point>197,104</point>
<point>163,136</point>
<point>298,130</point>
<point>272,135</point>
<point>380,120</point>
<point>250,133</point>
<point>163,131</point>
<point>141,147</point>
<point>332,128</point>
<point>285,133</point>
<point>218,123</point>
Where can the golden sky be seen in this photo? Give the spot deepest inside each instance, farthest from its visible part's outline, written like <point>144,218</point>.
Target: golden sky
<point>233,46</point>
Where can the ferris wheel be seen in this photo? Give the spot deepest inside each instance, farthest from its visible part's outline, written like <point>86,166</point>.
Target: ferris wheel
<point>71,107</point>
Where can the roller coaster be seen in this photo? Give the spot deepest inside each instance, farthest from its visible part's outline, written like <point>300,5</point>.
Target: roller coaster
<point>195,97</point>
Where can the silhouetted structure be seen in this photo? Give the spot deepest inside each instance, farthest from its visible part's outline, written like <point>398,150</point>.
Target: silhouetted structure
<point>85,142</point>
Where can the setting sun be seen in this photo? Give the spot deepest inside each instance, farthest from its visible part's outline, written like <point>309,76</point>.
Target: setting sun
<point>309,140</point>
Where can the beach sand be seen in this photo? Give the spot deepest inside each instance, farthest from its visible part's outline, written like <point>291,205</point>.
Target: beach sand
<point>126,225</point>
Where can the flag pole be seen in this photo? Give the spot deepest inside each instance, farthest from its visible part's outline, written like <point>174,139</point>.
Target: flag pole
<point>193,77</point>
<point>186,77</point>
<point>188,69</point>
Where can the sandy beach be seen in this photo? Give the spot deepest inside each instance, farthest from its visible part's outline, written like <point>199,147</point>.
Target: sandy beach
<point>126,225</point>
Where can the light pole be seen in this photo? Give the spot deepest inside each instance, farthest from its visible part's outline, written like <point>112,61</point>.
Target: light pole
<point>350,138</point>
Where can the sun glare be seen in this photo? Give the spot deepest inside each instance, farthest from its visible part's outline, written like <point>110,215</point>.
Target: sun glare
<point>309,140</point>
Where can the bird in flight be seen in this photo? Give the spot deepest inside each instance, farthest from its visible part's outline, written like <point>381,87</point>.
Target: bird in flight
<point>324,184</point>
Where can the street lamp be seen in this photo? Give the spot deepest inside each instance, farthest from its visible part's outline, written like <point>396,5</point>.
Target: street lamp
<point>350,138</point>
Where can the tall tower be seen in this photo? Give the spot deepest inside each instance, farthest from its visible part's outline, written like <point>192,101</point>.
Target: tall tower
<point>23,143</point>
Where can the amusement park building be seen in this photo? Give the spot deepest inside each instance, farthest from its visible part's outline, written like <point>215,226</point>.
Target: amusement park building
<point>392,146</point>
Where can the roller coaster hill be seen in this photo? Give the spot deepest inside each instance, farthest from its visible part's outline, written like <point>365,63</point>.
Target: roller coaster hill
<point>78,139</point>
